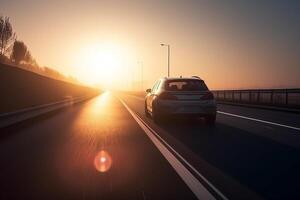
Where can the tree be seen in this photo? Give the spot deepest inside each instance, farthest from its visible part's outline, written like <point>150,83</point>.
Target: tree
<point>19,52</point>
<point>28,58</point>
<point>7,36</point>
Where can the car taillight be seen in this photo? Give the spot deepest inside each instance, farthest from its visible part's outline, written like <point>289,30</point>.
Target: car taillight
<point>208,96</point>
<point>167,96</point>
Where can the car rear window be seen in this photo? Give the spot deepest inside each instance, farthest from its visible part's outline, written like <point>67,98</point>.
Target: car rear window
<point>185,85</point>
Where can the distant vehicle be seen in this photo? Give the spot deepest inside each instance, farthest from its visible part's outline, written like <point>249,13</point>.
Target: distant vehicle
<point>182,97</point>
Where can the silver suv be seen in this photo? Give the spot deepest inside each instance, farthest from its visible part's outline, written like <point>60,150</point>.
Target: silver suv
<point>180,96</point>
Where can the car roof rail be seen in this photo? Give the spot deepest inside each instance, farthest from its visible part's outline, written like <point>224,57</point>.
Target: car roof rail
<point>196,77</point>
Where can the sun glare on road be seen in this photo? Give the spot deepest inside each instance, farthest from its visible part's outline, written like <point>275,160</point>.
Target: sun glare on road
<point>102,101</point>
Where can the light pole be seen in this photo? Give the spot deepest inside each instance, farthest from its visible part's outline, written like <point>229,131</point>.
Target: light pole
<point>168,57</point>
<point>142,78</point>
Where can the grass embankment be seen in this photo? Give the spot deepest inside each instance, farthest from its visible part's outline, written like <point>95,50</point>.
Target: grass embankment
<point>21,89</point>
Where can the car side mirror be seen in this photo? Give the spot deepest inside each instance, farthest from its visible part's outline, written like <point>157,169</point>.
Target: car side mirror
<point>148,90</point>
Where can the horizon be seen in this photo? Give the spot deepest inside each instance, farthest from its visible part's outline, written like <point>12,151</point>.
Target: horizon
<point>243,45</point>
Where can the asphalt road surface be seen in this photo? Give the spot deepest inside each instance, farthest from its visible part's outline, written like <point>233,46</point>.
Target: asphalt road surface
<point>105,148</point>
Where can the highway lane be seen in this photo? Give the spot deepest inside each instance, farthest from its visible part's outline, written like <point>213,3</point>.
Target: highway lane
<point>93,150</point>
<point>66,155</point>
<point>262,157</point>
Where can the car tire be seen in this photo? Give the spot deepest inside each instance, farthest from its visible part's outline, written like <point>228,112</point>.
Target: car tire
<point>146,111</point>
<point>211,120</point>
<point>155,115</point>
<point>156,118</point>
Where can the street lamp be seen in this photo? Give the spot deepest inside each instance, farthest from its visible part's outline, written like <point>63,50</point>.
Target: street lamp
<point>142,78</point>
<point>168,57</point>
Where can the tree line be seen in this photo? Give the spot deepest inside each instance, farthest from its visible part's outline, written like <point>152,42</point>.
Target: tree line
<point>16,52</point>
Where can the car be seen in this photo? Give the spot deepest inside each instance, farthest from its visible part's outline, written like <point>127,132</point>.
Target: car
<point>180,97</point>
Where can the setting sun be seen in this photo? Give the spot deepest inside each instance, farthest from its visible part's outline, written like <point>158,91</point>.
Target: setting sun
<point>102,63</point>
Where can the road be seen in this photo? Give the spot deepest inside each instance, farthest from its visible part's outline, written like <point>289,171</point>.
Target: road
<point>106,148</point>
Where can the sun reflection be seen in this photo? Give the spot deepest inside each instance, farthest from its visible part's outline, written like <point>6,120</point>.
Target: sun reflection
<point>104,97</point>
<point>103,161</point>
<point>100,105</point>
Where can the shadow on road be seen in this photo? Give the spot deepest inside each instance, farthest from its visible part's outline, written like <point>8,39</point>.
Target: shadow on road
<point>265,166</point>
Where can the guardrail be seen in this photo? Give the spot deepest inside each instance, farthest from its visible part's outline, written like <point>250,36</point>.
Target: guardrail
<point>7,119</point>
<point>286,98</point>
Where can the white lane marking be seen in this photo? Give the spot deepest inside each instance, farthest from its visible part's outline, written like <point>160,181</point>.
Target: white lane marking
<point>197,188</point>
<point>250,118</point>
<point>259,120</point>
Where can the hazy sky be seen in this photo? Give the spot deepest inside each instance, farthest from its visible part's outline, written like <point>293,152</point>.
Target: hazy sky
<point>230,44</point>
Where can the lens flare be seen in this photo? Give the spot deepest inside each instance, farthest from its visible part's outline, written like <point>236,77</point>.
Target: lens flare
<point>102,161</point>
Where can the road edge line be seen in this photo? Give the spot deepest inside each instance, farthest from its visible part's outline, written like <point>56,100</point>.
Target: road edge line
<point>258,120</point>
<point>192,182</point>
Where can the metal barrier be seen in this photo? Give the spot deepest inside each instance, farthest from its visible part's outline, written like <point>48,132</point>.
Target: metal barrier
<point>10,118</point>
<point>271,97</point>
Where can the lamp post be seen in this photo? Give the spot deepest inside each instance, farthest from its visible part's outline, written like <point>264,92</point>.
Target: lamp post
<point>142,78</point>
<point>168,57</point>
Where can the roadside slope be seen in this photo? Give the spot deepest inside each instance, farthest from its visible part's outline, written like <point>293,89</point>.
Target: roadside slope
<point>21,89</point>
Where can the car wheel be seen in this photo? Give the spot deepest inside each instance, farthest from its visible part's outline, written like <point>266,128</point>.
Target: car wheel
<point>155,115</point>
<point>156,118</point>
<point>146,111</point>
<point>211,120</point>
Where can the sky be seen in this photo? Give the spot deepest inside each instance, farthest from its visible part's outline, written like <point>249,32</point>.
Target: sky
<point>235,44</point>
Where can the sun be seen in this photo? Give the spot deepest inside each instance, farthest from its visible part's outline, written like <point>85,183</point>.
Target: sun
<point>102,63</point>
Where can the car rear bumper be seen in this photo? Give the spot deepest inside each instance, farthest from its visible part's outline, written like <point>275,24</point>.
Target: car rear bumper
<point>203,108</point>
